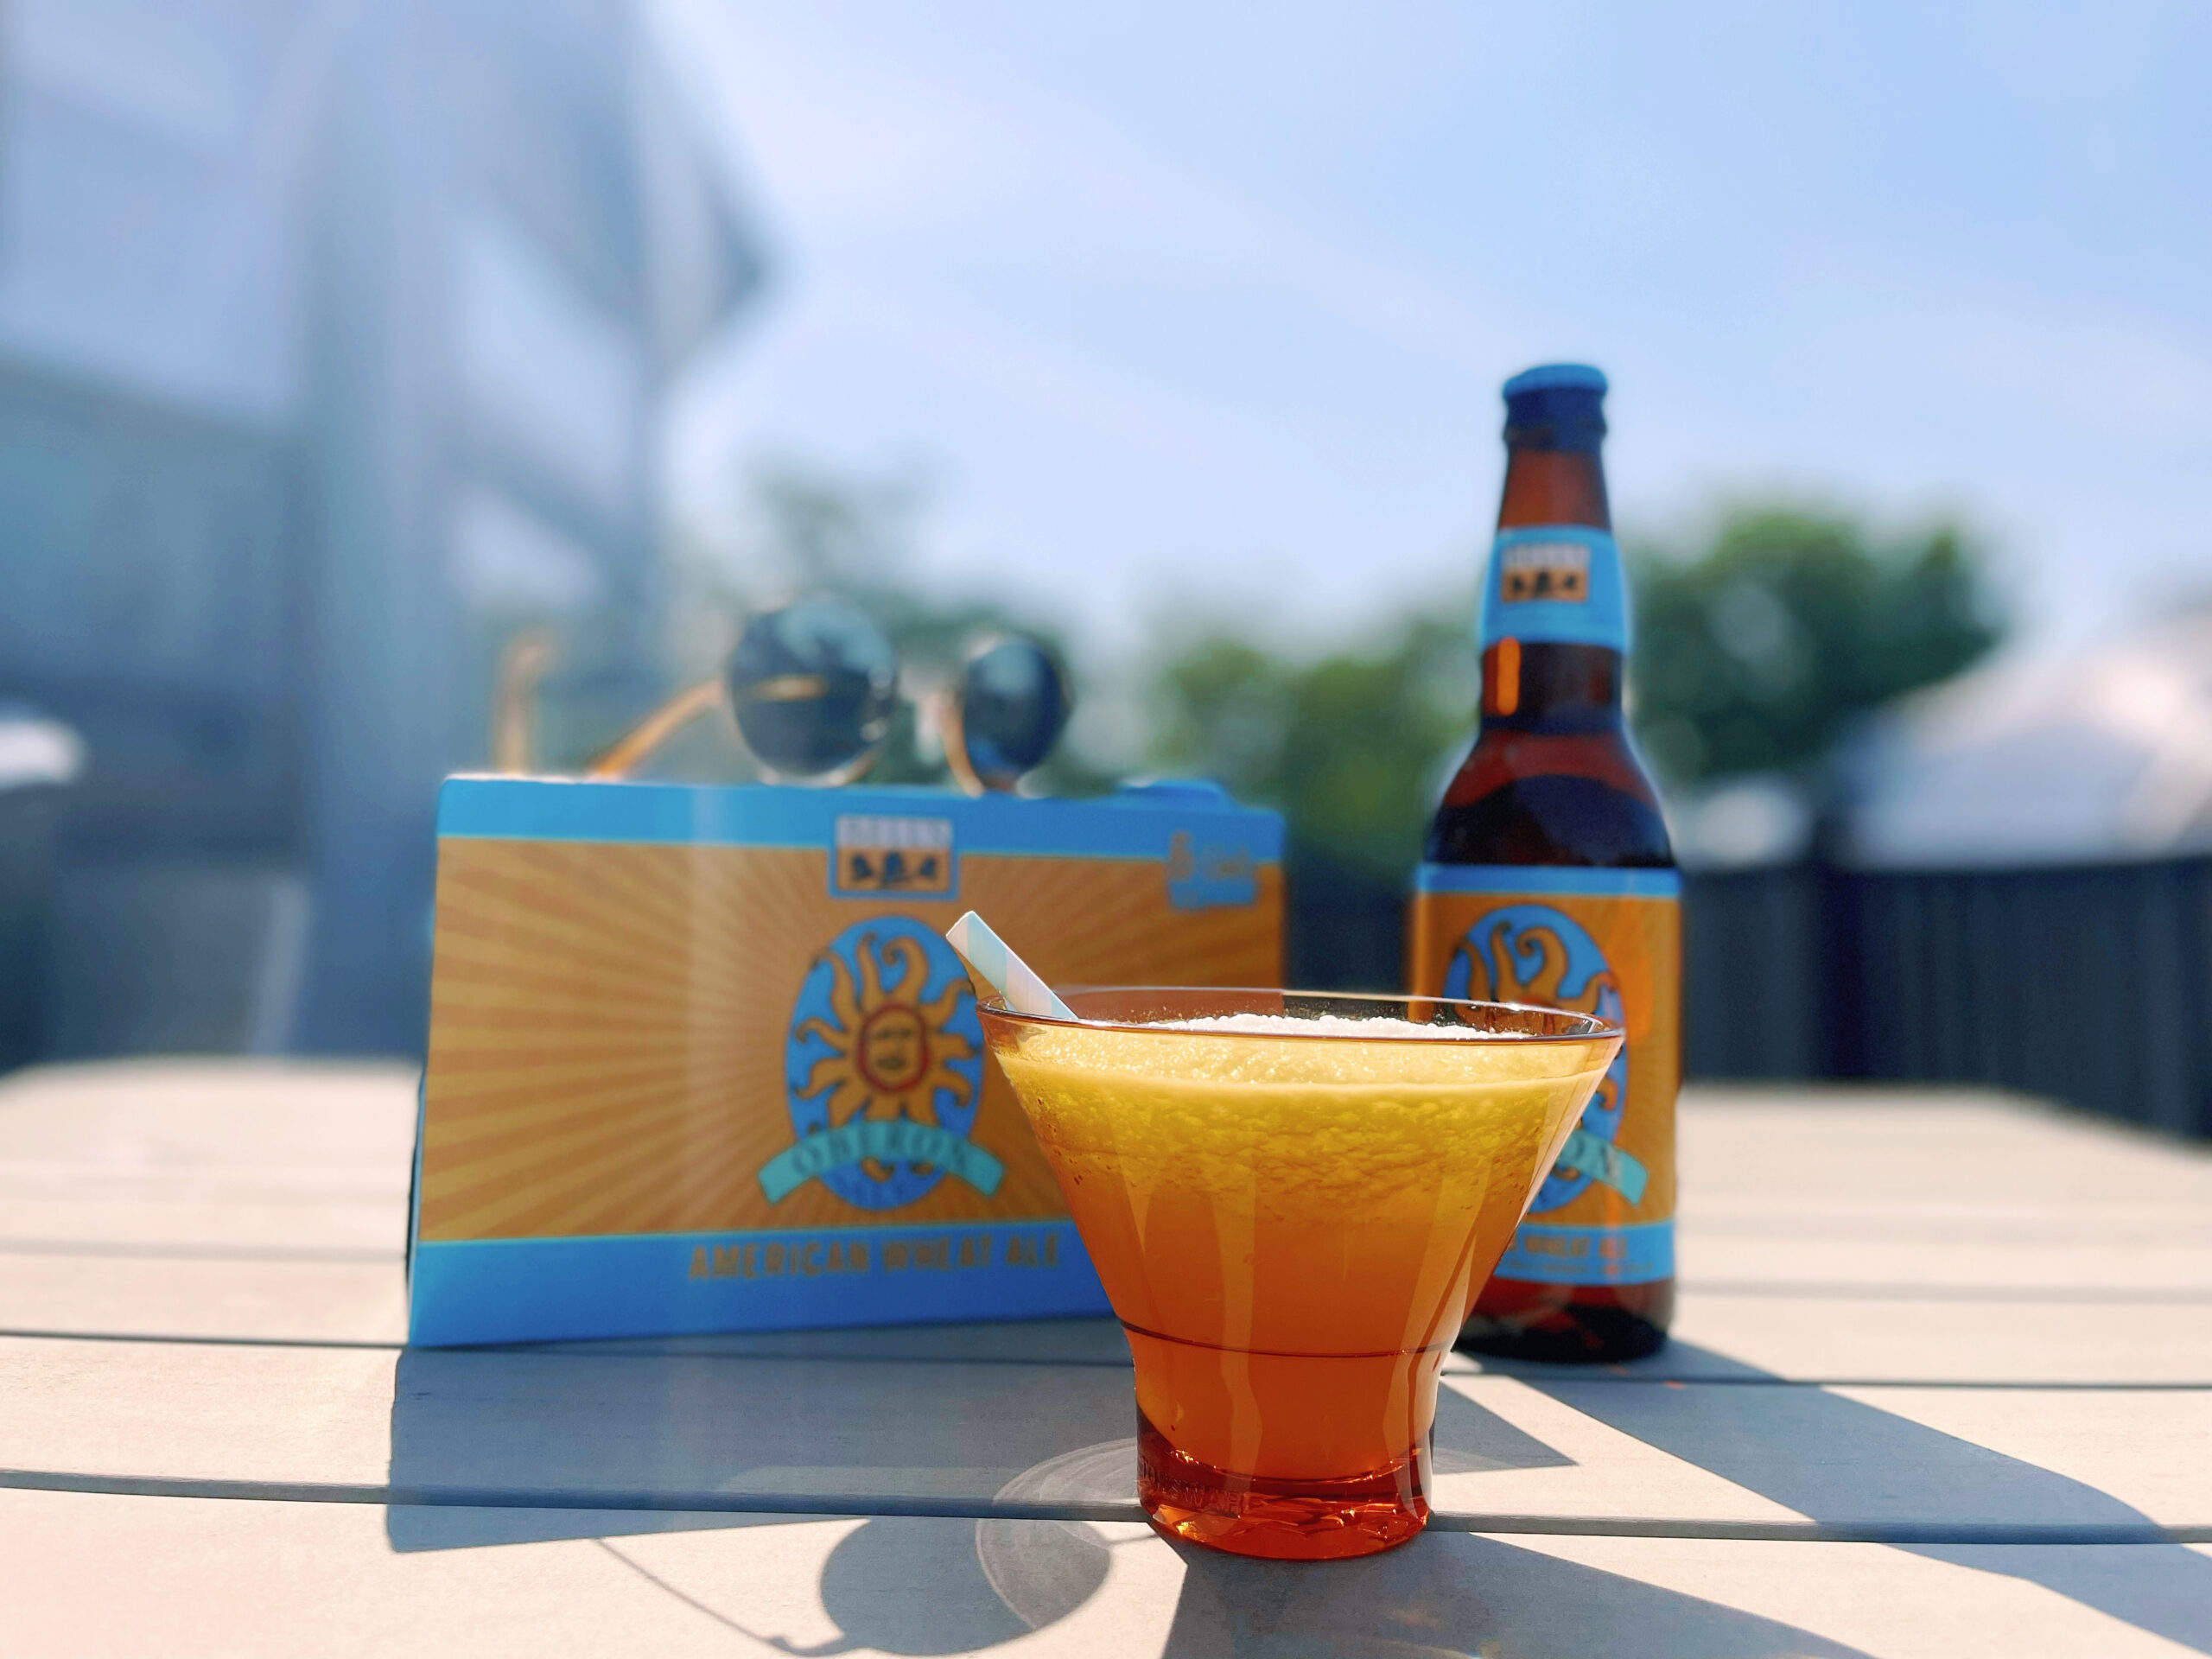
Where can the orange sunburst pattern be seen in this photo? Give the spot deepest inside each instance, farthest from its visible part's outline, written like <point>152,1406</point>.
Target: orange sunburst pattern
<point>609,1026</point>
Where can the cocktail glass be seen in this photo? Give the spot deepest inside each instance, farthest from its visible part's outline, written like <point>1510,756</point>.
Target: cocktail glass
<point>1292,1216</point>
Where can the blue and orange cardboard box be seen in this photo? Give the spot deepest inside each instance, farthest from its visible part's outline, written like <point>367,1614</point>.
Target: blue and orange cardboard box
<point>701,1059</point>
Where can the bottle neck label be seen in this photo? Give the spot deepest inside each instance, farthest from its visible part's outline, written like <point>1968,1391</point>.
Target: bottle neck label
<point>1556,584</point>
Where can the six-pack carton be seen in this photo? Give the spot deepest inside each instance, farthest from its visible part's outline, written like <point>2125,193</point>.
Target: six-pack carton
<point>701,1059</point>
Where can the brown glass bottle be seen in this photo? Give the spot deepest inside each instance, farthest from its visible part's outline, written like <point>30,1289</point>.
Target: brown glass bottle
<point>1548,877</point>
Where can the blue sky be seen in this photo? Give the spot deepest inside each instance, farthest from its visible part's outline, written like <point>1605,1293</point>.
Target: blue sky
<point>1193,311</point>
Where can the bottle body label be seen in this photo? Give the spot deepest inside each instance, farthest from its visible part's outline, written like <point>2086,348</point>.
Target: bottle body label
<point>1595,941</point>
<point>1559,583</point>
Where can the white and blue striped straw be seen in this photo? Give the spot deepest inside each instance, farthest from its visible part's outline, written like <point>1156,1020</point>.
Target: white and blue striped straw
<point>1009,975</point>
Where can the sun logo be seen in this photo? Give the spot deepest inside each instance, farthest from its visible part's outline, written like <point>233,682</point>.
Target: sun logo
<point>1531,953</point>
<point>1534,954</point>
<point>884,1029</point>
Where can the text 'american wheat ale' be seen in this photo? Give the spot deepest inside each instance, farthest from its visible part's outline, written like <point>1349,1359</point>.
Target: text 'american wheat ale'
<point>1548,879</point>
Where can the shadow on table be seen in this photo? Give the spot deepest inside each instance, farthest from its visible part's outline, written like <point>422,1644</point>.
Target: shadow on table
<point>902,1589</point>
<point>1459,1594</point>
<point>946,1412</point>
<point>1843,1463</point>
<point>902,1417</point>
<point>876,1416</point>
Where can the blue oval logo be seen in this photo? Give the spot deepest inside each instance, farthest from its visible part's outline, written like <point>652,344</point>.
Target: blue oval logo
<point>883,1069</point>
<point>1532,953</point>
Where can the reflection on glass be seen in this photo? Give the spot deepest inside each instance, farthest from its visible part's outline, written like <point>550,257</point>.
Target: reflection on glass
<point>812,685</point>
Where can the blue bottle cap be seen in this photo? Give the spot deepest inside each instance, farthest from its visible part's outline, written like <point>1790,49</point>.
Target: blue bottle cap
<point>1556,406</point>
<point>1556,377</point>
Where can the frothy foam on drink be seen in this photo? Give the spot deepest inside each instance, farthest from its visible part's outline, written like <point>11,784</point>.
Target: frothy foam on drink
<point>1276,1052</point>
<point>1328,1025</point>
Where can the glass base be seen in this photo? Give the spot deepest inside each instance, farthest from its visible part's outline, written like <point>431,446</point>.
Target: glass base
<point>1276,1519</point>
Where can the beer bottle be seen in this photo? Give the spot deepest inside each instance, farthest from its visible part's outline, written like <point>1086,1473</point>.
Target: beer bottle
<point>1548,878</point>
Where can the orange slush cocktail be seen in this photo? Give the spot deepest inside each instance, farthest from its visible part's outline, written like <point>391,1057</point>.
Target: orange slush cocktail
<point>1292,1201</point>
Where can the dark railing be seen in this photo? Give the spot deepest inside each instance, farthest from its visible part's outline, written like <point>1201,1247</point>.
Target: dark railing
<point>2092,984</point>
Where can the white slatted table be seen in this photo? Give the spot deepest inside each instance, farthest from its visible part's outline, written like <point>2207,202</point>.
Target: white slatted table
<point>1942,1385</point>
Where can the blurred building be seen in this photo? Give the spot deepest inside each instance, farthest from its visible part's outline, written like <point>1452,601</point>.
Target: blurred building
<point>2099,757</point>
<point>332,335</point>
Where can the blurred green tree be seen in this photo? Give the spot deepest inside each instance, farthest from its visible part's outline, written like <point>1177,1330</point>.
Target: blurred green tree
<point>1753,653</point>
<point>1350,746</point>
<point>1757,653</point>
